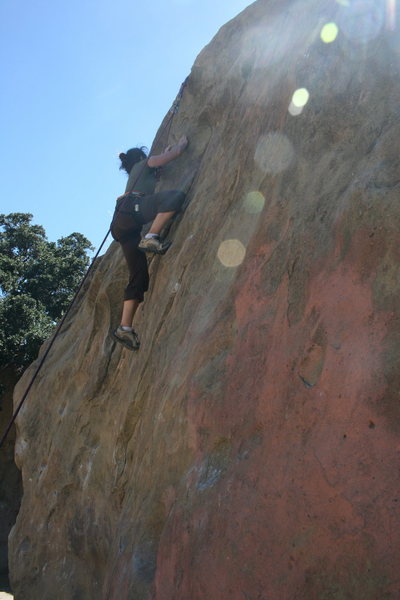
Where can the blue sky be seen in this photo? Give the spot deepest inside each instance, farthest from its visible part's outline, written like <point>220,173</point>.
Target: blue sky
<point>81,81</point>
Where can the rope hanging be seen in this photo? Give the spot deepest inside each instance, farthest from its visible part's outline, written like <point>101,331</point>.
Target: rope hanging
<point>172,112</point>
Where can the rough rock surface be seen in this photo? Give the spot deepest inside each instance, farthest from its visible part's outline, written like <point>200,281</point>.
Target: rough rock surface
<point>250,449</point>
<point>10,477</point>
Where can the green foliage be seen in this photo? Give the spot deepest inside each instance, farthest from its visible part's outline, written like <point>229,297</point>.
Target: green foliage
<point>37,281</point>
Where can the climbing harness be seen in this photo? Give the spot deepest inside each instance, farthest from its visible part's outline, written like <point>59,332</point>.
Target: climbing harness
<point>172,112</point>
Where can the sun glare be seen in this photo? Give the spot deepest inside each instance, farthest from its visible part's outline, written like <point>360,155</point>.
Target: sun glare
<point>254,202</point>
<point>274,153</point>
<point>300,97</point>
<point>362,21</point>
<point>231,253</point>
<point>391,14</point>
<point>298,102</point>
<point>329,33</point>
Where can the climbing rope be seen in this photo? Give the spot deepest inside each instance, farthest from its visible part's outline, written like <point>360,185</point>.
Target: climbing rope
<point>172,112</point>
<point>175,107</point>
<point>53,339</point>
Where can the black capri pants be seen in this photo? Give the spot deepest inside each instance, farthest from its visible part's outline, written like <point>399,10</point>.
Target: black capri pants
<point>132,212</point>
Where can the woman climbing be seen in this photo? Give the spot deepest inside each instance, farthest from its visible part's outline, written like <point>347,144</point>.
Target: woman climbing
<point>138,206</point>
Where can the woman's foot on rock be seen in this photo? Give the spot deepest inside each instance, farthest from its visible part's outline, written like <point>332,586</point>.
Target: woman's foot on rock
<point>153,245</point>
<point>129,339</point>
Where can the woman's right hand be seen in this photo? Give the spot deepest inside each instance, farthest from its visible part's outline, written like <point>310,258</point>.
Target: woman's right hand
<point>169,154</point>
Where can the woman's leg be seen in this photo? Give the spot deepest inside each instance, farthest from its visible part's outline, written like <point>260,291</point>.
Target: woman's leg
<point>138,277</point>
<point>134,292</point>
<point>160,221</point>
<point>129,309</point>
<point>159,208</point>
<point>161,203</point>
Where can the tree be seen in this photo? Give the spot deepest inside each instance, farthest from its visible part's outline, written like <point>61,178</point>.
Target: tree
<point>37,282</point>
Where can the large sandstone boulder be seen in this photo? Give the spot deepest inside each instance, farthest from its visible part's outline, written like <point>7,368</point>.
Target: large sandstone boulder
<point>249,450</point>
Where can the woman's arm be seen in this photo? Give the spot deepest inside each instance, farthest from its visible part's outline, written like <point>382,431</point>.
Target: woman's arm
<point>171,152</point>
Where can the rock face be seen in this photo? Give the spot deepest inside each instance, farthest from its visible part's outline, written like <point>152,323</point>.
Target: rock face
<point>10,477</point>
<point>249,450</point>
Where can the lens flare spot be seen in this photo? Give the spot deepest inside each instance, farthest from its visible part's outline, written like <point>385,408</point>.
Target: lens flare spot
<point>391,15</point>
<point>362,21</point>
<point>329,33</point>
<point>231,253</point>
<point>254,202</point>
<point>300,97</point>
<point>274,153</point>
<point>295,110</point>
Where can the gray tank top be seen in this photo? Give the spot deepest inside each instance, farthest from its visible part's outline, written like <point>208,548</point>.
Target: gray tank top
<point>147,179</point>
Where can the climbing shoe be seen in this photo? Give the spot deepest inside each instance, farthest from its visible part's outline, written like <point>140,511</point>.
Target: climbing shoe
<point>129,339</point>
<point>154,245</point>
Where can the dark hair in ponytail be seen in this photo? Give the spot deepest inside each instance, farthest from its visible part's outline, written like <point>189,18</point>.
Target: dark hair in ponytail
<point>131,157</point>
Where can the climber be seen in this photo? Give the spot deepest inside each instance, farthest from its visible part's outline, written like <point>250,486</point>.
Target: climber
<point>138,206</point>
